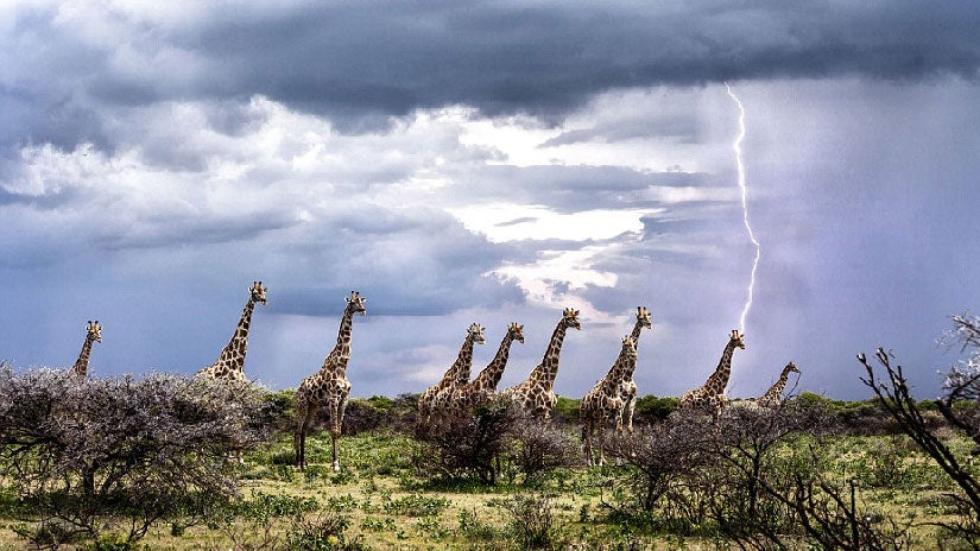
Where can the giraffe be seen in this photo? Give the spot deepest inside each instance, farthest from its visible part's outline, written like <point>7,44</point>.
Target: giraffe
<point>773,397</point>
<point>535,397</point>
<point>231,362</point>
<point>434,401</point>
<point>605,403</point>
<point>613,399</point>
<point>466,398</point>
<point>711,395</point>
<point>328,388</point>
<point>93,334</point>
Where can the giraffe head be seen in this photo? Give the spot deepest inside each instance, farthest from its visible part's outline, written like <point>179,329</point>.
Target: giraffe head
<point>643,317</point>
<point>629,346</point>
<point>737,338</point>
<point>516,332</point>
<point>355,302</point>
<point>790,368</point>
<point>258,292</point>
<point>94,331</point>
<point>570,318</point>
<point>476,333</point>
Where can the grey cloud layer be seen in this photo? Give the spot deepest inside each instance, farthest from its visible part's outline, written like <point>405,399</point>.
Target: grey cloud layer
<point>360,62</point>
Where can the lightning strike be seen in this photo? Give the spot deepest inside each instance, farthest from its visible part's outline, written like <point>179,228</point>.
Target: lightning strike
<point>737,149</point>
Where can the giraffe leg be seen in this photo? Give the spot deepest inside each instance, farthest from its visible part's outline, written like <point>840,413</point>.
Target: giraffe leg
<point>628,412</point>
<point>335,428</point>
<point>601,441</point>
<point>587,441</point>
<point>296,433</point>
<point>305,417</point>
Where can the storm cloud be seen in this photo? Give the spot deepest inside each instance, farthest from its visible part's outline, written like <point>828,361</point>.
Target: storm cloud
<point>361,62</point>
<point>490,162</point>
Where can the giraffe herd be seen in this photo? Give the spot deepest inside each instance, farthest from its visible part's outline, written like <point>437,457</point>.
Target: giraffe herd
<point>609,405</point>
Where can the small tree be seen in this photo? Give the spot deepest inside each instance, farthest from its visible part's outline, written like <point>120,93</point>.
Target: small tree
<point>537,448</point>
<point>468,447</point>
<point>661,455</point>
<point>958,405</point>
<point>896,398</point>
<point>86,453</point>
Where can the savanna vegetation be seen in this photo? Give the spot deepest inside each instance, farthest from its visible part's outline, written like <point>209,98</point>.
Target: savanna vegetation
<point>171,463</point>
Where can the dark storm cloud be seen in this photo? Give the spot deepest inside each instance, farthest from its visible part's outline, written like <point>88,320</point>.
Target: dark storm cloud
<point>364,57</point>
<point>361,62</point>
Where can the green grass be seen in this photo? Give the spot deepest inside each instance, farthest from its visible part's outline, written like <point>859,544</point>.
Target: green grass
<point>386,506</point>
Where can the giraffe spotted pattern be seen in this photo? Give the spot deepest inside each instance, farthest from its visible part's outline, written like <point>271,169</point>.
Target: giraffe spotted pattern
<point>93,334</point>
<point>328,389</point>
<point>612,400</point>
<point>230,364</point>
<point>710,396</point>
<point>535,397</point>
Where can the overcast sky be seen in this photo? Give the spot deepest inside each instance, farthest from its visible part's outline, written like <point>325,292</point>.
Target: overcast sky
<point>491,162</point>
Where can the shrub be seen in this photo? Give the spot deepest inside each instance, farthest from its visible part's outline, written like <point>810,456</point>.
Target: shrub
<point>531,521</point>
<point>326,532</point>
<point>661,455</point>
<point>415,505</point>
<point>567,410</point>
<point>538,448</point>
<point>652,409</point>
<point>92,453</point>
<point>467,448</point>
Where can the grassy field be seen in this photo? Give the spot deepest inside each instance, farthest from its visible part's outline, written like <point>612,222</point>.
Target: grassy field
<point>380,502</point>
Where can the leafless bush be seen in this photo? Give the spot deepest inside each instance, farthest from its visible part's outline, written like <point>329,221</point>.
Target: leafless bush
<point>468,448</point>
<point>662,456</point>
<point>755,473</point>
<point>90,452</point>
<point>768,490</point>
<point>895,396</point>
<point>537,448</point>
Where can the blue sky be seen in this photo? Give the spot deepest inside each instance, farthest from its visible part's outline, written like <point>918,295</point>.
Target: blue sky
<point>460,162</point>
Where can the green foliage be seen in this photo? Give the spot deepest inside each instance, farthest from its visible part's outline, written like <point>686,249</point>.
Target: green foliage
<point>568,409</point>
<point>323,533</point>
<point>651,408</point>
<point>262,506</point>
<point>473,529</point>
<point>414,505</point>
<point>532,521</point>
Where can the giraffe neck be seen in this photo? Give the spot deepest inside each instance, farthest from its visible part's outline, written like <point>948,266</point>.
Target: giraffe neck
<point>629,366</point>
<point>459,373</point>
<point>233,354</point>
<point>491,374</point>
<point>775,392</point>
<point>81,364</point>
<point>637,329</point>
<point>718,380</point>
<point>622,370</point>
<point>544,374</point>
<point>340,355</point>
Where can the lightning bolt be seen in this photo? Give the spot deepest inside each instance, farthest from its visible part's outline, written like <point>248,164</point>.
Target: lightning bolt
<point>737,149</point>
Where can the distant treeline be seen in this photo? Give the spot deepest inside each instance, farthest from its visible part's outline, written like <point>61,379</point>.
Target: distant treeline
<point>862,417</point>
